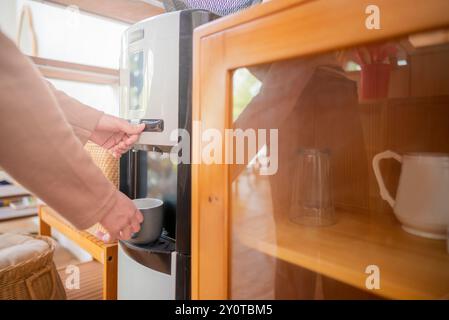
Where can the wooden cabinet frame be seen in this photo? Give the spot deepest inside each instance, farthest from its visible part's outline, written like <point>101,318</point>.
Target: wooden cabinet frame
<point>273,31</point>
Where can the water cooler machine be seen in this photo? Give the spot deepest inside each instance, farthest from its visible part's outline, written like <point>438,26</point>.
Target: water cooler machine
<point>155,89</point>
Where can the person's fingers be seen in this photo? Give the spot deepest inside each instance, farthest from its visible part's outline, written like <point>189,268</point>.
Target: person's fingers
<point>105,237</point>
<point>130,140</point>
<point>130,129</point>
<point>114,140</point>
<point>135,227</point>
<point>117,152</point>
<point>109,142</point>
<point>119,149</point>
<point>135,222</point>
<point>99,234</point>
<point>115,226</point>
<point>139,216</point>
<point>118,137</point>
<point>122,221</point>
<point>125,234</point>
<point>122,146</point>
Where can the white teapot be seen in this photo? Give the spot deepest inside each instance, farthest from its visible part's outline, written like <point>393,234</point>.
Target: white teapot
<point>422,198</point>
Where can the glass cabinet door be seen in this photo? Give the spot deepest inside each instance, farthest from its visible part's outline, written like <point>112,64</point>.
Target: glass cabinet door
<point>340,174</point>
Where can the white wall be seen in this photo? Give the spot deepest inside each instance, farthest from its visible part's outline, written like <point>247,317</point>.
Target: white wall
<point>8,9</point>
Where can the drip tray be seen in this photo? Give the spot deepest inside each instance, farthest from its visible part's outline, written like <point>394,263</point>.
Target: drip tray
<point>156,255</point>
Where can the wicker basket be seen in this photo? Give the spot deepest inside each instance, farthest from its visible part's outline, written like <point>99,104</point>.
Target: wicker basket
<point>110,168</point>
<point>33,279</point>
<point>105,161</point>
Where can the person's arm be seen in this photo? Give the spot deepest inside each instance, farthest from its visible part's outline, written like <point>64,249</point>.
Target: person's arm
<point>38,148</point>
<point>112,133</point>
<point>81,117</point>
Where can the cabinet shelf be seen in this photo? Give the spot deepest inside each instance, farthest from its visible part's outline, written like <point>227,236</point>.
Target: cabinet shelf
<point>410,267</point>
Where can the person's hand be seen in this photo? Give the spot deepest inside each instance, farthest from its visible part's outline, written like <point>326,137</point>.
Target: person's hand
<point>115,134</point>
<point>122,221</point>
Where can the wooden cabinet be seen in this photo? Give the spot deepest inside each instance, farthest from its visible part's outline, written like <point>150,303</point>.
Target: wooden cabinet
<point>316,75</point>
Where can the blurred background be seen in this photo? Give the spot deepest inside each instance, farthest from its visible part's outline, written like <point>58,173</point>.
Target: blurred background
<point>80,38</point>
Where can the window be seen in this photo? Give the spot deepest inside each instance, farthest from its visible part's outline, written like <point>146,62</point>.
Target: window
<point>69,35</point>
<point>99,96</point>
<point>64,35</point>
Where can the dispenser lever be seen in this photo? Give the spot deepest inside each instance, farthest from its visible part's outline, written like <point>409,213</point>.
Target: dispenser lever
<point>153,125</point>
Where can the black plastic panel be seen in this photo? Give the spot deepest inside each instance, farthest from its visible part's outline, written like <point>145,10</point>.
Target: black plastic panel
<point>156,255</point>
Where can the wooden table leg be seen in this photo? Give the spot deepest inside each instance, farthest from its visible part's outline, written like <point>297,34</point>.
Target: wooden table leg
<point>110,274</point>
<point>44,228</point>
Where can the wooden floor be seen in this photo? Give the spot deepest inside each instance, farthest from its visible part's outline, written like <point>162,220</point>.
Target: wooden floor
<point>90,281</point>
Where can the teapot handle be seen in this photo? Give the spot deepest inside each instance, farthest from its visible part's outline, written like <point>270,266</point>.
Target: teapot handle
<point>383,190</point>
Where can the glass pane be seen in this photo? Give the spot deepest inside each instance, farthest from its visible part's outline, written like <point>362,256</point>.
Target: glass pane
<point>162,184</point>
<point>246,87</point>
<point>307,217</point>
<point>99,96</point>
<point>136,84</point>
<point>69,35</point>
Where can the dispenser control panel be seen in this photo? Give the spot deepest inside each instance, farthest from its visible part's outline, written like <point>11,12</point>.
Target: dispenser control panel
<point>149,78</point>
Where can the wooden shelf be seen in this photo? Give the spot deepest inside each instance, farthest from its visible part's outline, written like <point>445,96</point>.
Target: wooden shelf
<point>410,267</point>
<point>105,253</point>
